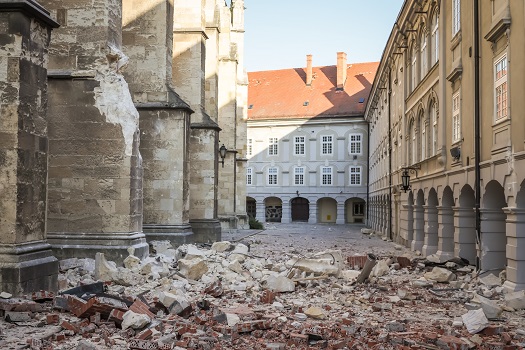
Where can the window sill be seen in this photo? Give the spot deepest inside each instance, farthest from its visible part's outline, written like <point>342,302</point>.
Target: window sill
<point>456,40</point>
<point>501,121</point>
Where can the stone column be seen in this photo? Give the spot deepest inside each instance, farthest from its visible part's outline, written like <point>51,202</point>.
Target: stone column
<point>164,119</point>
<point>419,228</point>
<point>286,211</point>
<point>95,167</point>
<point>493,239</point>
<point>189,77</point>
<point>445,233</point>
<point>430,245</point>
<point>515,229</point>
<point>340,220</point>
<point>465,234</point>
<point>26,260</point>
<point>260,210</point>
<point>312,218</point>
<point>406,224</point>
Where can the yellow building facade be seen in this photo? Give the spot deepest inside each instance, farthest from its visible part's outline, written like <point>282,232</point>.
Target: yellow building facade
<point>447,133</point>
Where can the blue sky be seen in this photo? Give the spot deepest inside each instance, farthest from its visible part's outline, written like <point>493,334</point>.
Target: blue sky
<point>280,33</point>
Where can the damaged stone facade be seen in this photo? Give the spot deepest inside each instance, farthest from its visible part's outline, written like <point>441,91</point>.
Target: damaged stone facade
<point>466,198</point>
<point>132,155</point>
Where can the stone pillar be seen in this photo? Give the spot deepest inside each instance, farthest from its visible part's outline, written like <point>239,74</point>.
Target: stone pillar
<point>164,120</point>
<point>312,218</point>
<point>340,219</point>
<point>419,228</point>
<point>465,234</point>
<point>445,233</point>
<point>430,245</point>
<point>26,260</point>
<point>493,239</point>
<point>406,224</point>
<point>189,77</point>
<point>515,229</point>
<point>286,212</point>
<point>95,167</point>
<point>260,211</point>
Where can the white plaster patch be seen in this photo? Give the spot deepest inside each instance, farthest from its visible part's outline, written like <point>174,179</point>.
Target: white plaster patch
<point>3,68</point>
<point>113,100</point>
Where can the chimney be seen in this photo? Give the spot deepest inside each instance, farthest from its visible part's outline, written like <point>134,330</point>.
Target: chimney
<point>308,70</point>
<point>341,70</point>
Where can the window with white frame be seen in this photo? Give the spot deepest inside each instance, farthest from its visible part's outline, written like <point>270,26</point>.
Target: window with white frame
<point>435,39</point>
<point>272,176</point>
<point>355,175</point>
<point>326,144</point>
<point>355,143</point>
<point>298,173</point>
<point>413,68</point>
<point>424,55</point>
<point>433,119</point>
<point>501,88</point>
<point>456,117</point>
<point>456,16</point>
<point>423,130</point>
<point>326,175</point>
<point>249,146</point>
<point>413,143</point>
<point>249,176</point>
<point>273,148</point>
<point>299,145</point>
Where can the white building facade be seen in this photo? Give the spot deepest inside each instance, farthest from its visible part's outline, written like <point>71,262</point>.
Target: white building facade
<point>304,168</point>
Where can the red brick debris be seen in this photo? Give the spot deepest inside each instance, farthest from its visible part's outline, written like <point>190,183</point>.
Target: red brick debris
<point>396,309</point>
<point>96,323</point>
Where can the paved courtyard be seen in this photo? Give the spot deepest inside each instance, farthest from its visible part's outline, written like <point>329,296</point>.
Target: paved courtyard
<point>304,238</point>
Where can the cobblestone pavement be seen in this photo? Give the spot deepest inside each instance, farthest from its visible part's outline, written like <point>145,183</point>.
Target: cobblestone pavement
<point>306,238</point>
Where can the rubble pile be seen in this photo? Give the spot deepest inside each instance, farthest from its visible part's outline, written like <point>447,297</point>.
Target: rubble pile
<point>244,296</point>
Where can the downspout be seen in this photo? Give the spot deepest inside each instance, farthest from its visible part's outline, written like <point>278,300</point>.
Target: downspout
<point>389,92</point>
<point>368,173</point>
<point>477,129</point>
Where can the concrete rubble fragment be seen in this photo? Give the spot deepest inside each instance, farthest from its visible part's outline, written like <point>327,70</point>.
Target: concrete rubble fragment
<point>202,298</point>
<point>440,274</point>
<point>475,321</point>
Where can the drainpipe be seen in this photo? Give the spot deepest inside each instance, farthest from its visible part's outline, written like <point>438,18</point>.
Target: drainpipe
<point>389,91</point>
<point>368,174</point>
<point>477,129</point>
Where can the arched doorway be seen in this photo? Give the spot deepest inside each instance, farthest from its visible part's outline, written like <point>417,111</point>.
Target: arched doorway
<point>493,228</point>
<point>355,209</point>
<point>251,207</point>
<point>465,225</point>
<point>300,209</point>
<point>274,209</point>
<point>327,210</point>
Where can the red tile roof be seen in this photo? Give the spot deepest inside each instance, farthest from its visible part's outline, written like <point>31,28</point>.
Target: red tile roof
<point>283,93</point>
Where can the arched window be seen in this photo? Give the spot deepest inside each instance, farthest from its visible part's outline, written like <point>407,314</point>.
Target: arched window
<point>412,142</point>
<point>432,113</point>
<point>423,141</point>
<point>434,44</point>
<point>413,67</point>
<point>424,54</point>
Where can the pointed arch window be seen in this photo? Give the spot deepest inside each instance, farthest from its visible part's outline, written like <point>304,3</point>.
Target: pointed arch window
<point>413,68</point>
<point>423,141</point>
<point>434,135</point>
<point>434,43</point>
<point>424,53</point>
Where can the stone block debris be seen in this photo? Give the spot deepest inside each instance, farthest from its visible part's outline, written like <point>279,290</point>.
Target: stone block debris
<point>232,297</point>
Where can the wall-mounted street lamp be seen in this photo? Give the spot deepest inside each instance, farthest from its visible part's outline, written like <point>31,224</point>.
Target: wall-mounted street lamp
<point>297,193</point>
<point>405,178</point>
<point>222,153</point>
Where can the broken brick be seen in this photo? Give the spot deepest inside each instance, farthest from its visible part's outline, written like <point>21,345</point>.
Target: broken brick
<point>42,295</point>
<point>142,344</point>
<point>52,319</point>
